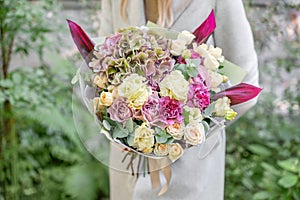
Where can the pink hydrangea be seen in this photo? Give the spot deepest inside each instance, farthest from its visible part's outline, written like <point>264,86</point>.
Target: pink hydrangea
<point>198,95</point>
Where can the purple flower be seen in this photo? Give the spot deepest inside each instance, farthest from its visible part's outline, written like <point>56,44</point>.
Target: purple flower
<point>119,110</point>
<point>151,111</point>
<point>170,110</point>
<point>198,95</point>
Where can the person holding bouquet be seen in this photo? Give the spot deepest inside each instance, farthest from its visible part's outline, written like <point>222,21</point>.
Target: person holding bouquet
<point>199,174</point>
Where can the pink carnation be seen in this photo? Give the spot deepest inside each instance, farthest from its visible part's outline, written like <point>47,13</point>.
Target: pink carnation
<point>170,110</point>
<point>198,95</point>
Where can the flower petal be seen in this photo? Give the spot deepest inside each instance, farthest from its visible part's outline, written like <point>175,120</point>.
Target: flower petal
<point>239,93</point>
<point>84,44</point>
<point>205,29</point>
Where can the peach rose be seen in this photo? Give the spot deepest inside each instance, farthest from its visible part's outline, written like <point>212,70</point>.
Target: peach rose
<point>175,151</point>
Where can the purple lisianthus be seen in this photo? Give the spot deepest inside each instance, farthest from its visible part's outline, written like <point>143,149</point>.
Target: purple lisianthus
<point>119,111</point>
<point>170,110</point>
<point>151,111</point>
<point>198,96</point>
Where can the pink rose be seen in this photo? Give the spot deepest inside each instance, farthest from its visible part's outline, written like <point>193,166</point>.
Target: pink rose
<point>170,110</point>
<point>198,95</point>
<point>119,110</point>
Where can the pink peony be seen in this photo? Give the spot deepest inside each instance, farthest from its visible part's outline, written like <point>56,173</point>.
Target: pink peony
<point>170,110</point>
<point>119,110</point>
<point>198,95</point>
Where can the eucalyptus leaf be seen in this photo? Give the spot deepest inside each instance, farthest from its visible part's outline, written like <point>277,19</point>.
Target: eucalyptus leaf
<point>129,125</point>
<point>106,125</point>
<point>119,132</point>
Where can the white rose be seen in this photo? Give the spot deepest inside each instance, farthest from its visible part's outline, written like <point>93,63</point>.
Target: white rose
<point>175,86</point>
<point>186,36</point>
<point>176,130</point>
<point>177,47</point>
<point>194,133</point>
<point>211,63</point>
<point>106,98</point>
<point>161,149</point>
<point>222,106</point>
<point>175,151</point>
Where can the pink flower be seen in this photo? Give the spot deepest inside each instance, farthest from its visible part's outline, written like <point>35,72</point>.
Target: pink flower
<point>151,111</point>
<point>119,111</point>
<point>170,110</point>
<point>198,95</point>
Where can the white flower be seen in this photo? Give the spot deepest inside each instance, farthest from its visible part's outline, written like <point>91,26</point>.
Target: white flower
<point>194,114</point>
<point>161,149</point>
<point>176,130</point>
<point>174,85</point>
<point>211,63</point>
<point>106,98</point>
<point>175,151</point>
<point>222,106</point>
<point>186,36</point>
<point>177,47</point>
<point>194,133</point>
<point>216,79</point>
<point>202,49</point>
<point>143,138</point>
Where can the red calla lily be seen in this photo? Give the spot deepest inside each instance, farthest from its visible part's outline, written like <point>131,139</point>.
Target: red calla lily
<point>239,93</point>
<point>205,29</point>
<point>84,44</point>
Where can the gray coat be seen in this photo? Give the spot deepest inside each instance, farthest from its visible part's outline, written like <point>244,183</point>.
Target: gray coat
<point>199,174</point>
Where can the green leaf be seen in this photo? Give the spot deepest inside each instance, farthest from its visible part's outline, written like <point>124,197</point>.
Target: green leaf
<point>288,181</point>
<point>130,139</point>
<point>210,109</point>
<point>120,132</point>
<point>186,117</point>
<point>292,165</point>
<point>262,195</point>
<point>260,150</point>
<point>129,125</point>
<point>192,71</point>
<point>106,125</point>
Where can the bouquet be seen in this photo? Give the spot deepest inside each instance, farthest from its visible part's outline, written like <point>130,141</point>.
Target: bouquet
<point>158,92</point>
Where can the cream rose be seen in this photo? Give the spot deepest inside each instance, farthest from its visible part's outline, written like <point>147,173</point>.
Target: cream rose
<point>194,133</point>
<point>175,151</point>
<point>106,98</point>
<point>186,36</point>
<point>176,130</point>
<point>222,106</point>
<point>161,149</point>
<point>143,138</point>
<point>100,80</point>
<point>177,46</point>
<point>175,86</point>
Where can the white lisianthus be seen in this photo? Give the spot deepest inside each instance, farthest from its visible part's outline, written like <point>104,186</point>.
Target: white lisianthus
<point>135,90</point>
<point>211,63</point>
<point>175,86</point>
<point>194,133</point>
<point>143,138</point>
<point>175,151</point>
<point>194,114</point>
<point>202,49</point>
<point>216,79</point>
<point>186,36</point>
<point>177,47</point>
<point>222,106</point>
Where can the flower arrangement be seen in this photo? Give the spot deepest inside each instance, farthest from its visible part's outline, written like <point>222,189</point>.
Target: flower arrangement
<point>158,92</point>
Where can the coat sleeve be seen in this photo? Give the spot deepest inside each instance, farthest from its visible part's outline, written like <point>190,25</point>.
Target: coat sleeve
<point>106,18</point>
<point>233,34</point>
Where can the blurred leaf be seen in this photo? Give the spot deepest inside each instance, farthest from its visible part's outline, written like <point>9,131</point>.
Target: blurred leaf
<point>259,150</point>
<point>292,165</point>
<point>288,180</point>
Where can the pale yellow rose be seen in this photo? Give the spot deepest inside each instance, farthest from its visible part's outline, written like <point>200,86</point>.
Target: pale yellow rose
<point>222,106</point>
<point>177,46</point>
<point>143,138</point>
<point>175,151</point>
<point>194,114</point>
<point>186,36</point>
<point>106,98</point>
<point>175,86</point>
<point>176,130</point>
<point>194,133</point>
<point>100,80</point>
<point>138,99</point>
<point>161,149</point>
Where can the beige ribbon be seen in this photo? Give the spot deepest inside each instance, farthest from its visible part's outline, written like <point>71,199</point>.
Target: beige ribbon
<point>154,167</point>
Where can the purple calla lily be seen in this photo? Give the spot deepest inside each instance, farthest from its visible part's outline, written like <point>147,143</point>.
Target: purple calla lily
<point>239,93</point>
<point>205,29</point>
<point>84,44</point>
